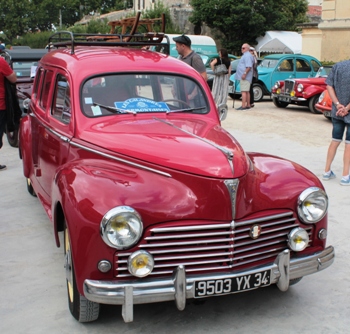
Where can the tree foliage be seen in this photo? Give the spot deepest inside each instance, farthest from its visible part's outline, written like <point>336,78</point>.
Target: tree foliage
<point>241,21</point>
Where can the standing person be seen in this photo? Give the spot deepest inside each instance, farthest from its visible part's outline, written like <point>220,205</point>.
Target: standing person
<point>255,75</point>
<point>189,56</point>
<point>338,87</point>
<point>5,72</point>
<point>220,84</point>
<point>244,74</point>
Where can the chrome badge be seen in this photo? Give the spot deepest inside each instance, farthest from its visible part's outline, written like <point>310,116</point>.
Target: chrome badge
<point>255,231</point>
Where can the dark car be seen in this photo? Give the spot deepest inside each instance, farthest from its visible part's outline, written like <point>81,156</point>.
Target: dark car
<point>23,62</point>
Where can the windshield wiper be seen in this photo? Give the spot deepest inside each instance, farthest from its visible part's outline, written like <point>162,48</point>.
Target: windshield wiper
<point>113,109</point>
<point>184,110</point>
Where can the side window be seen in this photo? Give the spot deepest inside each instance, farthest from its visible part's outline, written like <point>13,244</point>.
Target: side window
<point>45,90</point>
<point>286,65</point>
<point>38,76</point>
<point>61,107</point>
<point>303,66</point>
<point>315,65</point>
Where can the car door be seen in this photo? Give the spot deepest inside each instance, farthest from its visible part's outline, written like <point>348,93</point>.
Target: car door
<point>303,68</point>
<point>285,69</point>
<point>55,131</point>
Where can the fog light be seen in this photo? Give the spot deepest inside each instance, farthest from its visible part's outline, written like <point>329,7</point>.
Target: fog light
<point>322,234</point>
<point>140,263</point>
<point>298,239</point>
<point>104,266</point>
<point>292,93</point>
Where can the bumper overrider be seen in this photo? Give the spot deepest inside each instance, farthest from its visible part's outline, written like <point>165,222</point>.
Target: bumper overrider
<point>181,287</point>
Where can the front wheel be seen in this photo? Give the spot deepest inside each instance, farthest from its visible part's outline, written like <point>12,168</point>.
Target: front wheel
<point>312,103</point>
<point>81,308</point>
<point>258,91</point>
<point>295,281</point>
<point>278,103</point>
<point>30,188</point>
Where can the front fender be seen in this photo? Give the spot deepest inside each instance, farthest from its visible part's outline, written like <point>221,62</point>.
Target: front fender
<point>87,189</point>
<point>312,90</point>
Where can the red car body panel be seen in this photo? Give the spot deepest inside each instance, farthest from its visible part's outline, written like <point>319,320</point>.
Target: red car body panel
<point>172,168</point>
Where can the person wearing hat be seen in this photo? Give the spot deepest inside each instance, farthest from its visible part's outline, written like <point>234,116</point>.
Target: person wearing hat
<point>189,56</point>
<point>255,74</point>
<point>5,72</point>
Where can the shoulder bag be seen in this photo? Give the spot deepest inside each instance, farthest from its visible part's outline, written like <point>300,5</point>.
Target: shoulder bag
<point>220,69</point>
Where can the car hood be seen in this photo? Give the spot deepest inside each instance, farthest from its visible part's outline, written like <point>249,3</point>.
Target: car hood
<point>193,146</point>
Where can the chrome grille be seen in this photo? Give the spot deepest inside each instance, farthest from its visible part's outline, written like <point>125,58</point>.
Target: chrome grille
<point>208,247</point>
<point>288,86</point>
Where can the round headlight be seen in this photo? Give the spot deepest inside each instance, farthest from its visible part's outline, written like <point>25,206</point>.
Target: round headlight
<point>121,227</point>
<point>298,239</point>
<point>277,84</point>
<point>300,88</point>
<point>321,97</point>
<point>312,205</point>
<point>140,263</point>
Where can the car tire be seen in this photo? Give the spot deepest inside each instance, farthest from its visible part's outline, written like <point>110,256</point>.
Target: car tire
<point>12,137</point>
<point>295,281</point>
<point>279,104</point>
<point>81,308</point>
<point>234,96</point>
<point>258,91</point>
<point>312,103</point>
<point>30,188</point>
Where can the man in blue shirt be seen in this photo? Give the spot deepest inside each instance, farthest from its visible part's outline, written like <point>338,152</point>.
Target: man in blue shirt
<point>244,74</point>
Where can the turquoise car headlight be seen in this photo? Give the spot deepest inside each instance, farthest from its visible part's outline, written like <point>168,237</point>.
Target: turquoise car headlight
<point>312,205</point>
<point>121,227</point>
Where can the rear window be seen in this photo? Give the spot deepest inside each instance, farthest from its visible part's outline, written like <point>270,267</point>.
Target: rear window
<point>146,93</point>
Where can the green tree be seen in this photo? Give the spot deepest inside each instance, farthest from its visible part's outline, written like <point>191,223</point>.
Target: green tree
<point>242,21</point>
<point>15,17</point>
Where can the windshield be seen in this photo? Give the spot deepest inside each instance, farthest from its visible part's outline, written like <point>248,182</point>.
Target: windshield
<point>150,93</point>
<point>323,71</point>
<point>24,68</point>
<point>204,58</point>
<point>268,63</point>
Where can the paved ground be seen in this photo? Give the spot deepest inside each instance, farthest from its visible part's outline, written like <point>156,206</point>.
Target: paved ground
<point>32,277</point>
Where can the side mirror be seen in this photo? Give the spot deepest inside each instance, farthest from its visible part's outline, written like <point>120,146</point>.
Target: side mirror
<point>222,110</point>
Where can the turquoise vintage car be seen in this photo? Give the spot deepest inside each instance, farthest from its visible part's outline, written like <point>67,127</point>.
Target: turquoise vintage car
<point>277,67</point>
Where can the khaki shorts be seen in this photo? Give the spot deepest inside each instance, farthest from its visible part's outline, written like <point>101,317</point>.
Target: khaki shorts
<point>245,85</point>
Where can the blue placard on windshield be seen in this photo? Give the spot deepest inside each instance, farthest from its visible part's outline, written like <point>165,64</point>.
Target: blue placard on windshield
<point>141,105</point>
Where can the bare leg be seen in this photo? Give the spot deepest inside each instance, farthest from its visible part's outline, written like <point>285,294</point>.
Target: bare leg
<point>332,150</point>
<point>244,100</point>
<point>346,160</point>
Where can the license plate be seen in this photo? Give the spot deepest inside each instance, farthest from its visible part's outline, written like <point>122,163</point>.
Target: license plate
<point>284,98</point>
<point>231,89</point>
<point>232,285</point>
<point>327,113</point>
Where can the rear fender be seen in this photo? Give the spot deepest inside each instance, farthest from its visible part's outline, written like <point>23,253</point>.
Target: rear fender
<point>25,139</point>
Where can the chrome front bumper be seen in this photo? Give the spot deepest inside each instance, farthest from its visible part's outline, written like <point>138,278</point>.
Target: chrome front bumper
<point>179,287</point>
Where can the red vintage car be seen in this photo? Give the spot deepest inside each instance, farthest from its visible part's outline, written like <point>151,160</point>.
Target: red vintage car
<point>324,104</point>
<point>303,92</point>
<point>156,201</point>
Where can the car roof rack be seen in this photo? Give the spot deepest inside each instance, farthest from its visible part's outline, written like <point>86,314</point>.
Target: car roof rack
<point>69,39</point>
